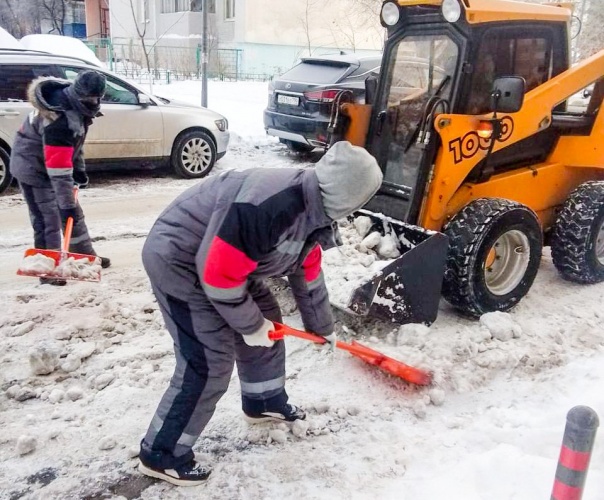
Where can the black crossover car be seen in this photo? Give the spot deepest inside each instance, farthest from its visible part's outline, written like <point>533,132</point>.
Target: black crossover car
<point>300,100</point>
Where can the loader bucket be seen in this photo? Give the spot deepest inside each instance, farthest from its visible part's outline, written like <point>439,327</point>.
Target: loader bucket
<point>407,290</point>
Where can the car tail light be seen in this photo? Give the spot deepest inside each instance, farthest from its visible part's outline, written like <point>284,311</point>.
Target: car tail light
<point>321,95</point>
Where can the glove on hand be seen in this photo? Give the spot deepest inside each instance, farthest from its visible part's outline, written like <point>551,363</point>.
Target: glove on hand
<point>331,340</point>
<point>80,178</point>
<point>69,212</point>
<point>260,336</point>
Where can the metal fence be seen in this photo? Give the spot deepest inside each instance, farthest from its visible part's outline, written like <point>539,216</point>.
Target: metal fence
<point>168,63</point>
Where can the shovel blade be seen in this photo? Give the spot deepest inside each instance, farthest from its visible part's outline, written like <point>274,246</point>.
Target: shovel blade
<point>370,356</point>
<point>91,263</point>
<point>392,366</point>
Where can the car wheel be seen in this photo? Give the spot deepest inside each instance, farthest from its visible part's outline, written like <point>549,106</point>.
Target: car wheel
<point>494,253</point>
<point>193,155</point>
<point>298,147</point>
<point>5,176</point>
<point>578,235</point>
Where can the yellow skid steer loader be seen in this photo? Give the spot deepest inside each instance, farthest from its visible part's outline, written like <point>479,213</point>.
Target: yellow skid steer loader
<point>482,161</point>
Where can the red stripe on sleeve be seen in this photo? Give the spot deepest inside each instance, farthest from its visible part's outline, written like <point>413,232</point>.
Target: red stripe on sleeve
<point>575,460</point>
<point>226,266</point>
<point>58,156</point>
<point>312,264</point>
<point>564,492</point>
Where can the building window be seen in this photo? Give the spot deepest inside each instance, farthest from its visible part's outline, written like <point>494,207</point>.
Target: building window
<point>171,6</point>
<point>229,9</point>
<point>79,13</point>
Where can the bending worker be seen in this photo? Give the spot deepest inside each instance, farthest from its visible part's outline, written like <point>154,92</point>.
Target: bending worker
<point>207,257</point>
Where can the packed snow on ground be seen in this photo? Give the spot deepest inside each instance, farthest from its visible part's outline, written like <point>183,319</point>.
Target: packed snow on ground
<point>84,366</point>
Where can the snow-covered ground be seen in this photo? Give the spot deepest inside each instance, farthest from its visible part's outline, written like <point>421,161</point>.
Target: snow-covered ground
<point>489,428</point>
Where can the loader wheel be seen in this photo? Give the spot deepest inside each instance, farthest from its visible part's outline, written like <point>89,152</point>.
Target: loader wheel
<point>494,253</point>
<point>578,235</point>
<point>193,155</point>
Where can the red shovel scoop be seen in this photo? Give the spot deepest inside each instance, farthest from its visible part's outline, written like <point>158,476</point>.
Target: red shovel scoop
<point>61,264</point>
<point>387,364</point>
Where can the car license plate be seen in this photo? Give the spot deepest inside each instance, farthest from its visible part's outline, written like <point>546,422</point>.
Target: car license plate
<point>288,99</point>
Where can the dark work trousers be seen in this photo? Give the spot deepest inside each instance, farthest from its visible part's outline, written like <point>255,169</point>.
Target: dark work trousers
<point>46,221</point>
<point>206,349</point>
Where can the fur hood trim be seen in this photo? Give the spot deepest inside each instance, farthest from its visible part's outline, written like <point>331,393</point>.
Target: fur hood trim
<point>40,94</point>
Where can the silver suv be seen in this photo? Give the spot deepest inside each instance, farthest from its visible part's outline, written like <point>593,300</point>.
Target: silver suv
<point>137,129</point>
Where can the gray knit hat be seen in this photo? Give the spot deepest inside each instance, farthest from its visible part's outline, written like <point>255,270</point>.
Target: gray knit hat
<point>89,84</point>
<point>348,177</point>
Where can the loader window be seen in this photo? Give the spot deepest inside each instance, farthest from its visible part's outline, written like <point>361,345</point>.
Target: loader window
<point>422,72</point>
<point>508,53</point>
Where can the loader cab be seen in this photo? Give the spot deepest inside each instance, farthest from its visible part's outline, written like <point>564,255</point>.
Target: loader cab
<point>460,61</point>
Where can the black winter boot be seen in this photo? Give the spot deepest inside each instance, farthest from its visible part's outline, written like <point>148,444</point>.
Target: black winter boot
<point>287,413</point>
<point>190,474</point>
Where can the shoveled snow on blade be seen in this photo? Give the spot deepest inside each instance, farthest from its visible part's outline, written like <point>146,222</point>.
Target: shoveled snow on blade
<point>37,264</point>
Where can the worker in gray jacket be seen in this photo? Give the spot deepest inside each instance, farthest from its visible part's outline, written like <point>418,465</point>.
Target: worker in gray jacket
<point>207,257</point>
<point>47,158</point>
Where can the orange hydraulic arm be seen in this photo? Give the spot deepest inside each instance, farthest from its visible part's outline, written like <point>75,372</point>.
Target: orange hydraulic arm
<point>462,149</point>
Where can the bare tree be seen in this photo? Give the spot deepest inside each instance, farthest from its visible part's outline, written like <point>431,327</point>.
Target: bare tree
<point>55,11</point>
<point>367,15</point>
<point>306,23</point>
<point>141,31</point>
<point>344,29</point>
<point>591,37</point>
<point>19,18</point>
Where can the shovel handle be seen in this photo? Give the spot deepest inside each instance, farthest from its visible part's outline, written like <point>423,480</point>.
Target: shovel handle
<point>67,235</point>
<point>69,224</point>
<point>281,330</point>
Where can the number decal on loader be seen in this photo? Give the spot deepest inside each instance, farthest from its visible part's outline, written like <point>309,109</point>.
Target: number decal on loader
<point>468,145</point>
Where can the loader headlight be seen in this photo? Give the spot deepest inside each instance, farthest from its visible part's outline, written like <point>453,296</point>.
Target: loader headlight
<point>390,14</point>
<point>222,124</point>
<point>451,10</point>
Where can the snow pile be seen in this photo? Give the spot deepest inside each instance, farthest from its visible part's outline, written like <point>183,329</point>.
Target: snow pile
<point>8,41</point>
<point>79,268</point>
<point>37,264</point>
<point>62,46</point>
<point>360,257</point>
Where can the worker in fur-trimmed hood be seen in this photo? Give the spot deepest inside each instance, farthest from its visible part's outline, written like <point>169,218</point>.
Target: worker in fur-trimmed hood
<point>208,256</point>
<point>47,158</point>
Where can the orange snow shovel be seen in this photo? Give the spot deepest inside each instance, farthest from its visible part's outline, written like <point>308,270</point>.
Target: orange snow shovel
<point>387,364</point>
<point>61,264</point>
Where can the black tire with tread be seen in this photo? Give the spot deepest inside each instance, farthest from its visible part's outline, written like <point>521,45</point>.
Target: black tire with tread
<point>472,233</point>
<point>5,176</point>
<point>574,234</point>
<point>180,142</point>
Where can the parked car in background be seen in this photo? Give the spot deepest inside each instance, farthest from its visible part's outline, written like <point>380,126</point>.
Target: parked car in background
<point>137,129</point>
<point>300,100</point>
